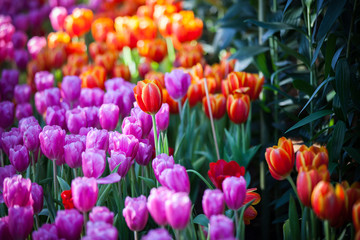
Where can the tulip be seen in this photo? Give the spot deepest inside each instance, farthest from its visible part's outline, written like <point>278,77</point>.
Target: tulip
<point>84,192</point>
<point>6,172</point>
<point>356,216</point>
<point>40,102</point>
<point>162,117</point>
<point>52,141</point>
<point>156,204</point>
<point>11,139</point>
<point>31,137</point>
<point>25,123</point>
<point>250,213</point>
<point>175,178</point>
<point>37,195</point>
<point>19,39</point>
<point>93,162</point>
<point>144,118</point>
<point>19,158</point>
<point>17,191</point>
<point>92,116</point>
<point>23,110</point>
<point>313,156</point>
<point>57,18</point>
<point>114,84</point>
<point>324,197</point>
<point>221,227</point>
<point>56,115</point>
<point>21,58</point>
<point>213,202</point>
<point>46,231</point>
<point>234,189</point>
<point>71,88</point>
<point>67,199</point>
<point>237,80</point>
<point>177,83</point>
<point>144,153</point>
<point>132,126</point>
<point>280,159</point>
<point>20,216</point>
<point>91,97</point>
<point>4,228</point>
<point>100,230</point>
<point>135,213</point>
<point>44,80</point>
<point>73,153</point>
<point>22,93</point>
<point>144,68</point>
<point>178,210</point>
<point>221,169</point>
<point>10,77</point>
<point>217,104</point>
<point>154,49</point>
<point>7,110</point>
<point>101,214</point>
<point>51,96</point>
<point>148,95</point>
<point>119,158</point>
<point>123,143</point>
<point>98,139</point>
<point>109,116</point>
<point>160,234</point>
<point>69,223</point>
<point>162,162</point>
<point>238,107</point>
<point>75,119</point>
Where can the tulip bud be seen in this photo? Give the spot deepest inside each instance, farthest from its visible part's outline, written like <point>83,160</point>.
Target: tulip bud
<point>71,88</point>
<point>177,83</point>
<point>11,139</point>
<point>23,110</point>
<point>178,210</point>
<point>67,200</point>
<point>162,162</point>
<point>312,156</point>
<point>123,143</point>
<point>132,126</point>
<point>6,172</point>
<point>44,80</point>
<point>162,117</point>
<point>135,213</point>
<point>7,110</point>
<point>144,153</point>
<point>69,223</point>
<point>75,119</point>
<point>109,116</point>
<point>119,158</point>
<point>84,192</point>
<point>55,115</point>
<point>37,195</point>
<point>144,118</point>
<point>280,159</point>
<point>156,204</point>
<point>20,216</point>
<point>234,189</point>
<point>4,228</point>
<point>19,158</point>
<point>175,178</point>
<point>31,137</point>
<point>57,17</point>
<point>19,39</point>
<point>148,95</point>
<point>213,202</point>
<point>160,234</point>
<point>221,227</point>
<point>73,153</point>
<point>92,116</point>
<point>217,104</point>
<point>52,141</point>
<point>93,162</point>
<point>100,230</point>
<point>46,231</point>
<point>101,214</point>
<point>98,139</point>
<point>17,191</point>
<point>22,93</point>
<point>221,169</point>
<point>91,97</point>
<point>238,107</point>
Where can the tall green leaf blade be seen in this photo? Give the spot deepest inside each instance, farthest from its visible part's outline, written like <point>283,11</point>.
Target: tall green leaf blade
<point>312,117</point>
<point>342,83</point>
<point>294,53</point>
<point>294,220</point>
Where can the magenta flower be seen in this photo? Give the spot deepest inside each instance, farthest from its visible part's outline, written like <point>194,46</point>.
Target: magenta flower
<point>22,93</point>
<point>19,39</point>
<point>52,141</point>
<point>91,97</point>
<point>73,153</point>
<point>156,204</point>
<point>75,119</point>
<point>92,116</point>
<point>46,231</point>
<point>23,110</point>
<point>159,234</point>
<point>144,153</point>
<point>40,102</point>
<point>7,111</point>
<point>44,80</point>
<point>100,230</point>
<point>178,210</point>
<point>84,192</point>
<point>213,202</point>
<point>144,118</point>
<point>161,162</point>
<point>6,172</point>
<point>221,227</point>
<point>17,191</point>
<point>11,139</point>
<point>25,123</point>
<point>19,158</point>
<point>98,139</point>
<point>177,83</point>
<point>4,228</point>
<point>71,88</point>
<point>37,194</point>
<point>9,79</point>
<point>34,45</point>
<point>57,17</point>
<point>234,189</point>
<point>135,213</point>
<point>176,179</point>
<point>93,162</point>
<point>132,126</point>
<point>109,116</point>
<point>21,58</point>
<point>31,137</point>
<point>20,216</point>
<point>114,84</point>
<point>21,21</point>
<point>119,158</point>
<point>123,143</point>
<point>69,223</point>
<point>101,214</point>
<point>162,117</point>
<point>55,115</point>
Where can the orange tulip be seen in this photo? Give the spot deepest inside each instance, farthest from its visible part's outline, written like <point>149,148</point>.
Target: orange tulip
<point>238,80</point>
<point>55,39</point>
<point>101,27</point>
<point>121,70</point>
<point>75,47</point>
<point>225,88</point>
<point>155,50</point>
<point>116,41</point>
<point>144,11</point>
<point>79,22</point>
<point>106,60</point>
<point>313,156</point>
<point>187,59</point>
<point>148,95</point>
<point>356,216</point>
<point>227,66</point>
<point>280,159</point>
<point>159,76</point>
<point>217,104</point>
<point>173,105</point>
<point>352,195</point>
<point>250,213</point>
<point>93,77</point>
<point>96,48</point>
<point>78,60</point>
<point>56,57</point>
<point>238,107</point>
<point>185,27</point>
<point>194,93</point>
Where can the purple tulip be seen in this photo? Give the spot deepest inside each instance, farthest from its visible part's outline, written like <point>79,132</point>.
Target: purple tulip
<point>100,230</point>
<point>92,116</point>
<point>63,3</point>
<point>34,45</point>
<point>10,77</point>
<point>21,57</point>
<point>98,139</point>
<point>6,172</point>
<point>6,89</point>
<point>144,118</point>
<point>22,93</point>
<point>11,139</point>
<point>119,158</point>
<point>40,102</point>
<point>4,228</point>
<point>52,96</point>
<point>69,224</point>
<point>213,202</point>
<point>21,22</point>
<point>70,138</point>
<point>114,84</point>
<point>123,143</point>
<point>132,126</point>
<point>93,162</point>
<point>101,214</point>
<point>35,17</point>
<point>17,191</point>
<point>44,80</point>
<point>156,204</point>
<point>84,192</point>
<point>178,210</point>
<point>91,97</point>
<point>73,153</point>
<point>160,163</point>
<point>23,110</point>
<point>114,97</point>
<point>37,194</point>
<point>31,137</point>
<point>25,123</point>
<point>221,227</point>
<point>19,158</point>
<point>75,119</point>
<point>84,131</point>
<point>57,17</point>
<point>162,117</point>
<point>144,153</point>
<point>20,216</point>
<point>109,116</point>
<point>234,189</point>
<point>19,39</point>
<point>176,179</point>
<point>46,231</point>
<point>71,88</point>
<point>158,234</point>
<point>52,141</point>
<point>7,114</point>
<point>177,83</point>
<point>135,213</point>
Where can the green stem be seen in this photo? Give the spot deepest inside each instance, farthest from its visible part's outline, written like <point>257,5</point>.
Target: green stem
<point>208,235</point>
<point>180,108</point>
<point>37,221</point>
<point>54,179</point>
<point>74,172</point>
<point>136,237</point>
<point>201,177</point>
<point>313,225</point>
<point>243,138</point>
<point>295,190</point>
<point>155,134</point>
<point>142,180</point>
<point>85,221</point>
<point>1,158</point>
<point>33,166</point>
<point>237,225</point>
<point>327,229</point>
<point>170,48</point>
<point>177,234</point>
<point>133,180</point>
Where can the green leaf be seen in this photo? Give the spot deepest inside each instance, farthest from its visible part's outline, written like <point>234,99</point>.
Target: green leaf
<point>248,52</point>
<point>303,86</point>
<point>249,154</point>
<point>286,230</point>
<point>275,26</point>
<point>342,83</point>
<point>63,184</point>
<point>105,189</point>
<point>149,182</point>
<point>353,153</point>
<point>294,220</point>
<point>294,53</point>
<point>337,140</point>
<point>241,219</point>
<point>312,117</point>
<point>201,177</point>
<point>261,63</point>
<point>202,220</point>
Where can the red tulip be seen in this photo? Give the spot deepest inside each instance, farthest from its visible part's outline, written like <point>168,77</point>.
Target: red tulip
<point>356,216</point>
<point>148,95</point>
<point>100,28</point>
<point>250,213</point>
<point>67,200</point>
<point>217,104</point>
<point>352,195</point>
<point>238,107</point>
<point>312,156</point>
<point>221,169</point>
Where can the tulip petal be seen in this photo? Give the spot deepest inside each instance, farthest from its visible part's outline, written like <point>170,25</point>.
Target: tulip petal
<point>112,178</point>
